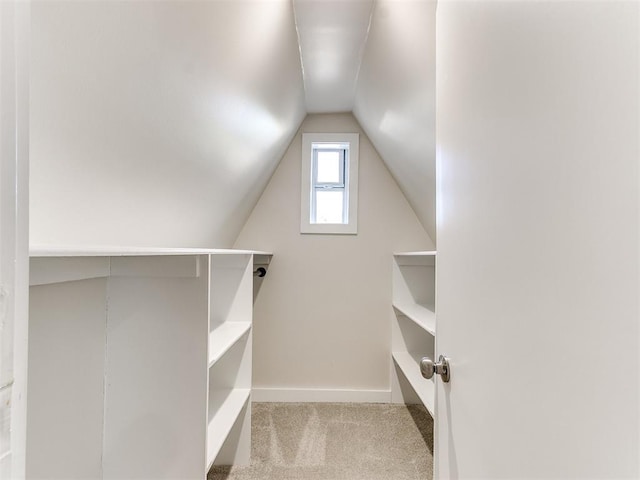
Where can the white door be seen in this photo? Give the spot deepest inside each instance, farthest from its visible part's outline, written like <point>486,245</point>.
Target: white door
<point>538,245</point>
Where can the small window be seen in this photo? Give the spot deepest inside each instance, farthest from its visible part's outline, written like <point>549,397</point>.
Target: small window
<point>328,199</point>
<point>329,183</point>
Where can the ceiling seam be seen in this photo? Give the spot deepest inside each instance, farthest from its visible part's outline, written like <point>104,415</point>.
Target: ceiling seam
<point>304,77</point>
<point>362,50</point>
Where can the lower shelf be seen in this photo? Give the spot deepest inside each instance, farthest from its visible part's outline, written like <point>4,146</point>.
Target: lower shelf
<point>225,336</point>
<point>411,369</point>
<point>423,316</point>
<point>231,403</point>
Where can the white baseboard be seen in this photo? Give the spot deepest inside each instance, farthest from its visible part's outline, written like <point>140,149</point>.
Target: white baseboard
<point>319,395</point>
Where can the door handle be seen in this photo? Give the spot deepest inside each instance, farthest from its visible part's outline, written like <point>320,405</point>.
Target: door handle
<point>428,368</point>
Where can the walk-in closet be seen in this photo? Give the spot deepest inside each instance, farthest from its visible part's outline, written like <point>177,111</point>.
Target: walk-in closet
<point>319,239</point>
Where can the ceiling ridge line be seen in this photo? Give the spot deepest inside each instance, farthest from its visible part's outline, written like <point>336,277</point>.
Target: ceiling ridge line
<point>304,77</point>
<point>362,51</point>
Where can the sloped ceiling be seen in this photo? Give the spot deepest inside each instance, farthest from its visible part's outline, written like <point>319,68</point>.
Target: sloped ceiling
<point>332,36</point>
<point>377,59</point>
<point>158,123</point>
<point>395,98</point>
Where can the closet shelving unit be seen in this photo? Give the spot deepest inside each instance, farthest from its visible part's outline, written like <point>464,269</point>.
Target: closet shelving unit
<point>156,345</point>
<point>413,326</point>
<point>229,366</point>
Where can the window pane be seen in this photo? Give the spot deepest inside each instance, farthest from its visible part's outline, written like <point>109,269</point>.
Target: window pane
<point>329,206</point>
<point>329,166</point>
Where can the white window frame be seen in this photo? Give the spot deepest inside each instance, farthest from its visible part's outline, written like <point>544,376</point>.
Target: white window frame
<point>350,184</point>
<point>340,185</point>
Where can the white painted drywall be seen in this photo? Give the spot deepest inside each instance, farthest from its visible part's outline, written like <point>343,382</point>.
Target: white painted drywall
<point>332,36</point>
<point>538,124</point>
<point>322,314</point>
<point>14,234</point>
<point>395,98</point>
<point>158,123</point>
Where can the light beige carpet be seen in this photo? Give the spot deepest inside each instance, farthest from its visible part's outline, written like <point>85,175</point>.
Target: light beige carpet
<point>336,441</point>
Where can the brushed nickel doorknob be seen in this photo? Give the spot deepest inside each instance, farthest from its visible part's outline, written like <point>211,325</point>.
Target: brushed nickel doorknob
<point>428,368</point>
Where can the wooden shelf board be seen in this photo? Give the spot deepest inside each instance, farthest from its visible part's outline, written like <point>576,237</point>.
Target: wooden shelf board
<point>411,370</point>
<point>225,336</point>
<point>422,316</point>
<point>224,419</point>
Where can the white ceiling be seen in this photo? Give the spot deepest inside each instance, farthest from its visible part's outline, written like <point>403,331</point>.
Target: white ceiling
<point>377,59</point>
<point>396,96</point>
<point>148,110</point>
<point>332,35</point>
<point>158,123</point>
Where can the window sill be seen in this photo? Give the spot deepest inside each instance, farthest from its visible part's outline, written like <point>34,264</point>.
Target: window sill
<point>330,229</point>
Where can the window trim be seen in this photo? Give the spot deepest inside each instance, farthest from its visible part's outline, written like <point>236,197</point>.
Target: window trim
<point>350,180</point>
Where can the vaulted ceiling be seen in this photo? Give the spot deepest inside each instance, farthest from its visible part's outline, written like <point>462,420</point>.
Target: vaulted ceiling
<point>332,36</point>
<point>377,59</point>
<point>142,111</point>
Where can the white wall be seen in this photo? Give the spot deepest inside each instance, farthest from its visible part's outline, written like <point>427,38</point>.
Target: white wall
<point>322,315</point>
<point>14,234</point>
<point>158,123</point>
<point>395,98</point>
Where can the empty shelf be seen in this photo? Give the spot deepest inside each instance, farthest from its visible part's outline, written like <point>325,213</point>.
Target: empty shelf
<point>423,316</point>
<point>416,258</point>
<point>411,370</point>
<point>231,404</point>
<point>223,337</point>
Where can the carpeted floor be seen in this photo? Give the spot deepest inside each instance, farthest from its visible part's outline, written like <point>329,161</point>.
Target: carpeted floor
<point>336,441</point>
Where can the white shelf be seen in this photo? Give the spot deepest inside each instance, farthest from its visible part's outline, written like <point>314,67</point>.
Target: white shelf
<point>413,326</point>
<point>411,370</point>
<point>262,258</point>
<point>224,419</point>
<point>213,291</point>
<point>424,317</point>
<point>427,259</point>
<point>224,337</point>
<point>116,251</point>
<point>425,253</point>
